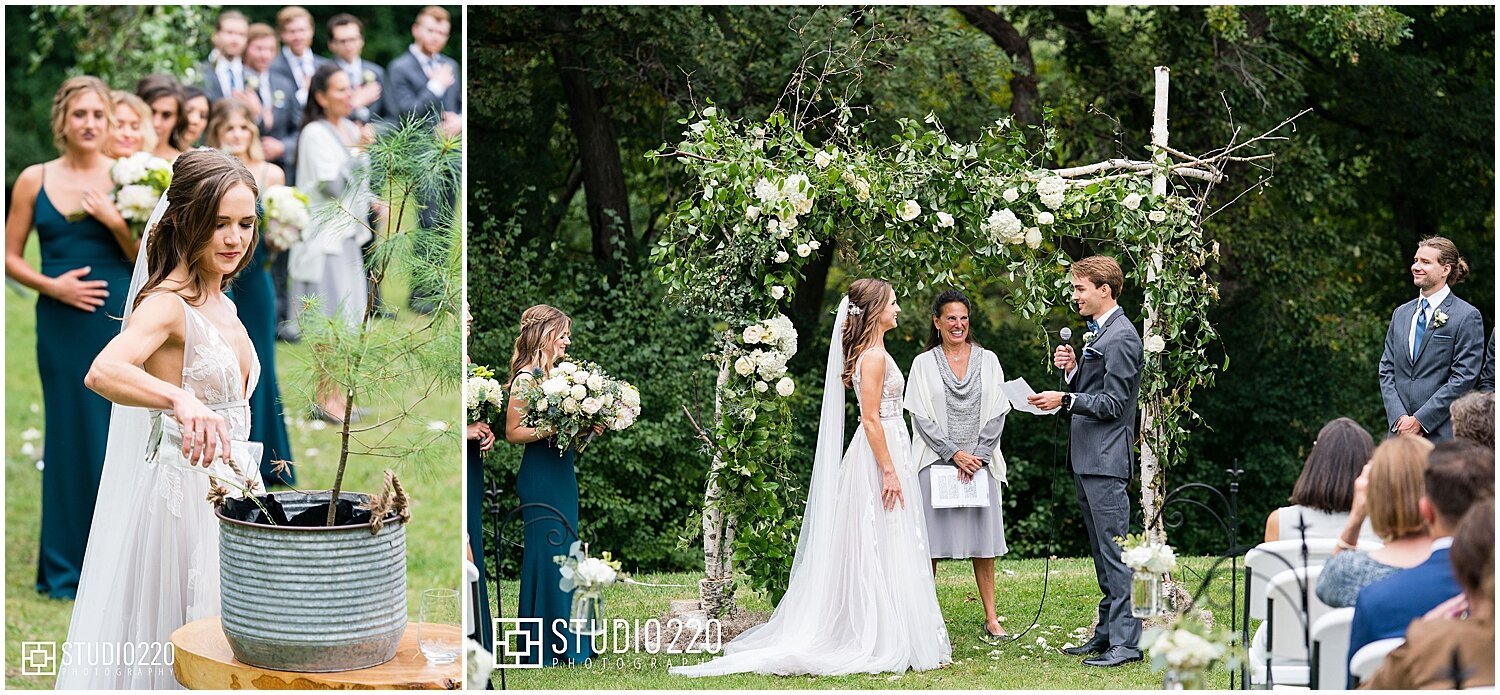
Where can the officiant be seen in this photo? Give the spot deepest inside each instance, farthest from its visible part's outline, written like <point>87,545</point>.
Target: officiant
<point>958,412</point>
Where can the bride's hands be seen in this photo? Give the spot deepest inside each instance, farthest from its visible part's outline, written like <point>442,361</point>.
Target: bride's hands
<point>205,433</point>
<point>890,490</point>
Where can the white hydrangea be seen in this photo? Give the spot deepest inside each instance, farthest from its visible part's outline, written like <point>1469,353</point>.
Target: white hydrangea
<point>1051,189</point>
<point>1132,201</point>
<point>785,387</point>
<point>945,220</point>
<point>798,191</point>
<point>768,193</point>
<point>594,573</point>
<point>128,170</point>
<point>136,202</point>
<point>785,332</point>
<point>1004,227</point>
<point>909,210</point>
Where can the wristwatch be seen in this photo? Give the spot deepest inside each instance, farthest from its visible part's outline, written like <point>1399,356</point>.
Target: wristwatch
<point>1067,402</point>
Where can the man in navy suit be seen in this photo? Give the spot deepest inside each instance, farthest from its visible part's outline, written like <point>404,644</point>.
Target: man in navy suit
<point>1434,347</point>
<point>294,65</point>
<point>1459,473</point>
<point>424,84</point>
<point>346,39</point>
<point>224,71</point>
<point>1101,410</point>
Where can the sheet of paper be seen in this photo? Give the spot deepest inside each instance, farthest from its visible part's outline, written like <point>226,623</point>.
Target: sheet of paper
<point>1017,390</point>
<point>949,493</point>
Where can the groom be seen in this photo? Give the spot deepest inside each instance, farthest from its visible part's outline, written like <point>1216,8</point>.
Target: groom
<point>1434,348</point>
<point>1101,406</point>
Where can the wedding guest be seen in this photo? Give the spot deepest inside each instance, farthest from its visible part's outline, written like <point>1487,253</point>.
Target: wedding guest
<point>81,285</point>
<point>1325,490</point>
<point>224,71</point>
<point>1389,492</point>
<point>481,440</point>
<point>277,114</point>
<point>1474,417</point>
<point>296,61</point>
<point>1448,651</point>
<point>547,476</point>
<point>1459,474</point>
<point>346,39</point>
<point>132,132</point>
<point>424,84</point>
<point>195,107</point>
<point>1101,410</point>
<point>1434,347</point>
<point>327,263</point>
<point>231,128</point>
<point>164,96</point>
<point>958,411</point>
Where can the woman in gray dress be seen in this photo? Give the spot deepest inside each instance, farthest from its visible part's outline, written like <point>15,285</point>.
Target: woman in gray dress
<point>958,413</point>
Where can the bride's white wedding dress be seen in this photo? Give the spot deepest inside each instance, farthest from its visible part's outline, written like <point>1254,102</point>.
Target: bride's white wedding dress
<point>861,597</point>
<point>152,563</point>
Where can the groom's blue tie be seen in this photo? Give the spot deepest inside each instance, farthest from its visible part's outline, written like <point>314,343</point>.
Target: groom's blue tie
<point>1416,343</point>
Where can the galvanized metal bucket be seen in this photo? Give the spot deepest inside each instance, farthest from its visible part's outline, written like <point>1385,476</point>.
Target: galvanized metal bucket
<point>312,599</point>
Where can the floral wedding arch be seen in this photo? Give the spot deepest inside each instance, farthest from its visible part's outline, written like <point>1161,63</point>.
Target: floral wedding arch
<point>925,211</point>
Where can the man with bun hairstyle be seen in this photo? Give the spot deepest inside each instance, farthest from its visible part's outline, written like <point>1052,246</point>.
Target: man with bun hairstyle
<point>1434,347</point>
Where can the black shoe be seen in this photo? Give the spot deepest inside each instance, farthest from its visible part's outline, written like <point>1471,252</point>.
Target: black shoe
<point>1116,656</point>
<point>1098,644</point>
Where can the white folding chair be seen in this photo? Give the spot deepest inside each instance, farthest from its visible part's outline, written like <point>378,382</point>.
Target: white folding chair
<point>1368,659</point>
<point>1330,650</point>
<point>1281,643</point>
<point>471,594</point>
<point>1269,559</point>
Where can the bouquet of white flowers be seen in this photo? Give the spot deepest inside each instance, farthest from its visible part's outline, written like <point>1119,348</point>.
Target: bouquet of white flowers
<point>589,575</point>
<point>1188,649</point>
<point>140,180</point>
<point>574,399</point>
<point>286,216</point>
<point>1141,555</point>
<point>764,349</point>
<point>483,396</point>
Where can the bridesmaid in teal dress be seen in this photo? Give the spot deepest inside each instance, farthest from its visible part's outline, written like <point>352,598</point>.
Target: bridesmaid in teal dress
<point>82,282</point>
<point>547,477</point>
<point>230,128</point>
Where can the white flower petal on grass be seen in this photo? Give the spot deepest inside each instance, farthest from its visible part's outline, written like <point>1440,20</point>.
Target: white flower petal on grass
<point>31,434</point>
<point>437,425</point>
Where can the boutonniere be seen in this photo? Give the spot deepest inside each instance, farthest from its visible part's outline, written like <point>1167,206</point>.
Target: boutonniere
<point>1089,337</point>
<point>279,98</point>
<point>1439,319</point>
<point>252,82</point>
<point>369,76</point>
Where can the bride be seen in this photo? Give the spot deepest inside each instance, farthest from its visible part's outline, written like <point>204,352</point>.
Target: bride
<point>178,374</point>
<point>861,597</point>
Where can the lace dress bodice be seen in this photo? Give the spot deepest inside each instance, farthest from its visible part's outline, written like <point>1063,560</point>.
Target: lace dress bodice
<point>892,392</point>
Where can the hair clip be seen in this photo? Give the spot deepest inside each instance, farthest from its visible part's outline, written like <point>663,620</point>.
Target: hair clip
<point>854,309</point>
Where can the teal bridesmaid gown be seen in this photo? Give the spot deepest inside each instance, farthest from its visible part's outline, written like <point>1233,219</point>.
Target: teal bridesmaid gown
<point>474,524</point>
<point>255,300</point>
<point>77,419</point>
<point>548,478</point>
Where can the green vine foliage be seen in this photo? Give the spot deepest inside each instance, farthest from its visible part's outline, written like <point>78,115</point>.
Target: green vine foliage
<point>922,211</point>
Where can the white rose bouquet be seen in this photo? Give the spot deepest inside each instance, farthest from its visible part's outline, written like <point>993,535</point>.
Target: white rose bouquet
<point>286,216</point>
<point>1189,649</point>
<point>762,352</point>
<point>588,575</point>
<point>576,398</point>
<point>1141,555</point>
<point>140,180</point>
<point>484,397</point>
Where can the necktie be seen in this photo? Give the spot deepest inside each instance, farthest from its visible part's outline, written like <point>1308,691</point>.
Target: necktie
<point>235,82</point>
<point>1416,343</point>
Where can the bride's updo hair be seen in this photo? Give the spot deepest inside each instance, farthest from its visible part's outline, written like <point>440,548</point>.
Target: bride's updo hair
<point>540,325</point>
<point>867,300</point>
<point>200,179</point>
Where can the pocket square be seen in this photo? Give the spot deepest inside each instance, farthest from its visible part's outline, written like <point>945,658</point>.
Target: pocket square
<point>1090,353</point>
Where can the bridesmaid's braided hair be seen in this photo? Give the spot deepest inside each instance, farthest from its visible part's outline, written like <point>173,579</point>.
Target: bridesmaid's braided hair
<point>539,325</point>
<point>200,179</point>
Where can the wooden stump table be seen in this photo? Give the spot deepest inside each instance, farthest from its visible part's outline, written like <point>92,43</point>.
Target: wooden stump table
<point>204,661</point>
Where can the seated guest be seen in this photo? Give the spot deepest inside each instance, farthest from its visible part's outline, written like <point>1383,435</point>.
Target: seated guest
<point>1447,652</point>
<point>1390,492</point>
<point>1473,417</point>
<point>1459,474</point>
<point>1322,496</point>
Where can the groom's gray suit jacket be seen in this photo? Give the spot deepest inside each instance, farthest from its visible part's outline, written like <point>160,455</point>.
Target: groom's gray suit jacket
<point>1446,366</point>
<point>1106,387</point>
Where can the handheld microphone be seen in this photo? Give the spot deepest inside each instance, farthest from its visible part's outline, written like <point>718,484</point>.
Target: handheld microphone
<point>1062,376</point>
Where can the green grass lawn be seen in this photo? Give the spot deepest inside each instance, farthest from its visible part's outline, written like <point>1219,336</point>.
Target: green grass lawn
<point>434,538</point>
<point>1026,663</point>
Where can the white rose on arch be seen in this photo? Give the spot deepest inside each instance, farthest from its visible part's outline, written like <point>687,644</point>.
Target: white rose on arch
<point>752,213</point>
<point>909,210</point>
<point>744,366</point>
<point>785,387</point>
<point>753,333</point>
<point>1157,216</point>
<point>778,292</point>
<point>1155,343</point>
<point>1132,201</point>
<point>1011,194</point>
<point>945,220</point>
<point>762,387</point>
<point>782,256</point>
<point>1033,238</point>
<point>804,250</point>
<point>1045,218</point>
<point>822,159</point>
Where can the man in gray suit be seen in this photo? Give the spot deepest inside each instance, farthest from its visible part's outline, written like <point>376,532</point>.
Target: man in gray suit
<point>1487,372</point>
<point>1101,407</point>
<point>224,71</point>
<point>1434,347</point>
<point>346,40</point>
